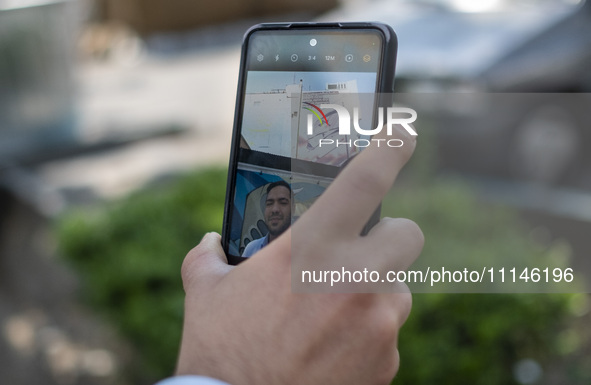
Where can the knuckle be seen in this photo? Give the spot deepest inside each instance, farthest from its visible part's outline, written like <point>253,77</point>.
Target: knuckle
<point>386,330</point>
<point>403,231</point>
<point>395,309</point>
<point>404,305</point>
<point>414,230</point>
<point>188,267</point>
<point>411,232</point>
<point>389,368</point>
<point>394,365</point>
<point>385,320</point>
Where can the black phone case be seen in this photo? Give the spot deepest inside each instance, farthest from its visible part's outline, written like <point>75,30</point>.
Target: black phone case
<point>385,86</point>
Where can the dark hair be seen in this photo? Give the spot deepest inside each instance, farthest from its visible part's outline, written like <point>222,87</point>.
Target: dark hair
<point>277,184</point>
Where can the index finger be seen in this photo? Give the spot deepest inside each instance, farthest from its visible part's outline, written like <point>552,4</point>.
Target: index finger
<point>356,193</point>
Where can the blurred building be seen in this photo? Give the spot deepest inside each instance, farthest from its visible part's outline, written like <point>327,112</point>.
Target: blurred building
<point>37,109</point>
<point>149,16</point>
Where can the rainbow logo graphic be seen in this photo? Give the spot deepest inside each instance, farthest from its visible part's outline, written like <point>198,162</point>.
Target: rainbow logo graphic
<point>316,113</point>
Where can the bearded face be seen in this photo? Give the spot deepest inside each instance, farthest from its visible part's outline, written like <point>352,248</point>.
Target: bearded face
<point>278,210</point>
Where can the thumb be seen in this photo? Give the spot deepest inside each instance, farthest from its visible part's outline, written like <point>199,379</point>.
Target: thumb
<point>206,263</point>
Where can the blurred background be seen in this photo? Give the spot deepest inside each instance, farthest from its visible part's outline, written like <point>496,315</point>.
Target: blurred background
<point>115,127</point>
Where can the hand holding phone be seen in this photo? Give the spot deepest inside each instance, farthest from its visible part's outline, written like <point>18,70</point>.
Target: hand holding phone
<point>243,324</point>
<point>237,318</point>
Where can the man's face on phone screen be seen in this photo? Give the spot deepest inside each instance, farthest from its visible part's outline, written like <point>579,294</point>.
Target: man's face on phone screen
<point>278,210</point>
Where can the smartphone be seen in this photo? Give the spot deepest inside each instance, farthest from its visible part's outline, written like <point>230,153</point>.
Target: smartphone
<point>278,164</point>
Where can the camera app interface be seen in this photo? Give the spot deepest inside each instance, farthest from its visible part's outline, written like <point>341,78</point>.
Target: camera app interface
<point>282,165</point>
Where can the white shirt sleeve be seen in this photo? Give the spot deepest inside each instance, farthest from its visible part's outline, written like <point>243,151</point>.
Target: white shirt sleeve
<point>191,380</point>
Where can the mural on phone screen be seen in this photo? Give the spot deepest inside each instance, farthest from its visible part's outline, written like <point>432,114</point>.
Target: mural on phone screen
<point>277,105</point>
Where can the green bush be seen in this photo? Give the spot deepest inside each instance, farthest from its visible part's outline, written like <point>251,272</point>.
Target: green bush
<point>130,253</point>
<point>480,339</point>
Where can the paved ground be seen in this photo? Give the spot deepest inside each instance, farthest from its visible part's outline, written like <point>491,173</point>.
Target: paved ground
<point>46,337</point>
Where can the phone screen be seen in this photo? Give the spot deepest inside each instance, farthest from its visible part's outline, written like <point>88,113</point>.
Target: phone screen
<point>279,167</point>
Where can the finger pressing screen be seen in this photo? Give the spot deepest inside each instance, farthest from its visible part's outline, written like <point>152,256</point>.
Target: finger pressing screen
<point>392,245</point>
<point>346,206</point>
<point>328,252</point>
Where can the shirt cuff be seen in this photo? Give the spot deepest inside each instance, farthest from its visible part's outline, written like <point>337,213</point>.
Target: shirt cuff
<point>191,380</point>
